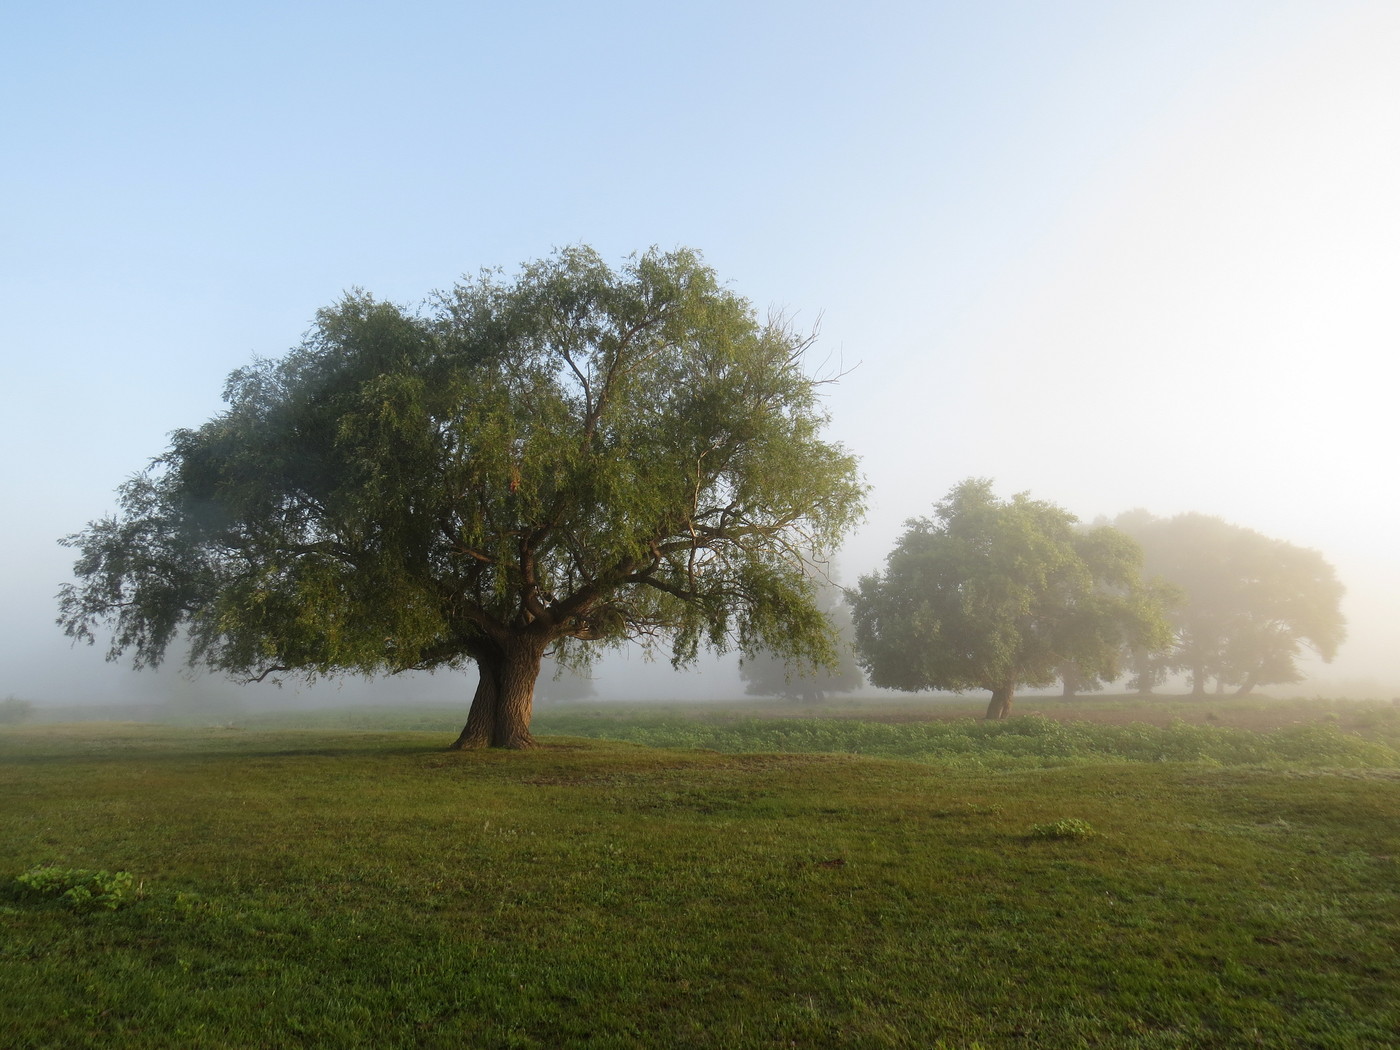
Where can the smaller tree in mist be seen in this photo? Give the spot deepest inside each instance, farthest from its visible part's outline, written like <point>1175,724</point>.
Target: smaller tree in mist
<point>1073,681</point>
<point>558,684</point>
<point>1250,607</point>
<point>13,710</point>
<point>1147,670</point>
<point>768,674</point>
<point>1141,664</point>
<point>1000,594</point>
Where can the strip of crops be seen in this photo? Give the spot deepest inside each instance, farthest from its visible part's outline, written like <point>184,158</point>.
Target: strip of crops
<point>1026,741</point>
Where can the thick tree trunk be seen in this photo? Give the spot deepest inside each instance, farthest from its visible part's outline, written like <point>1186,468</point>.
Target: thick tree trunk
<point>1143,670</point>
<point>481,719</point>
<point>1000,706</point>
<point>515,698</point>
<point>505,694</point>
<point>1069,675</point>
<point>1198,681</point>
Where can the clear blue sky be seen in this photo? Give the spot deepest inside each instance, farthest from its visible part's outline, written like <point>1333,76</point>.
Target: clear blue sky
<point>1117,254</point>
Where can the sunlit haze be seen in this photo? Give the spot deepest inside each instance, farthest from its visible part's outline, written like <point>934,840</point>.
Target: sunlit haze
<point>1118,255</point>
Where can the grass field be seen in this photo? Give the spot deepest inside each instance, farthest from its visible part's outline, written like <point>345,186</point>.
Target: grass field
<point>1085,880</point>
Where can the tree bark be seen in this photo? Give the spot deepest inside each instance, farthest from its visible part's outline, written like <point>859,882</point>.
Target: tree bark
<point>1198,681</point>
<point>504,699</point>
<point>515,694</point>
<point>1000,706</point>
<point>1143,669</point>
<point>1069,675</point>
<point>481,719</point>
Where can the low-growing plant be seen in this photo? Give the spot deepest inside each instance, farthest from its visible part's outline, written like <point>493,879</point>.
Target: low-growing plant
<point>1068,828</point>
<point>82,889</point>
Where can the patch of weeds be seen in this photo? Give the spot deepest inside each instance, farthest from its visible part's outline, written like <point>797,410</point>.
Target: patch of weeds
<point>81,889</point>
<point>187,905</point>
<point>1068,828</point>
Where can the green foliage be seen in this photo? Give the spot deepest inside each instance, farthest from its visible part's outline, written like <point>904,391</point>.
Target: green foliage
<point>1071,828</point>
<point>578,455</point>
<point>1250,604</point>
<point>81,889</point>
<point>993,594</point>
<point>13,710</point>
<point>768,674</point>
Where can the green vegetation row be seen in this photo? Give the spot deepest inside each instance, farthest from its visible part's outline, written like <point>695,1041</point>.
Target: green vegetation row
<point>1029,741</point>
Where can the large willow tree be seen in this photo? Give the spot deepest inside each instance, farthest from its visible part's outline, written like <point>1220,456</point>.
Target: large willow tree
<point>576,455</point>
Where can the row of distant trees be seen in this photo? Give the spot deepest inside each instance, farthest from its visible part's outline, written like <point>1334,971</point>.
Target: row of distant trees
<point>1003,594</point>
<point>582,457</point>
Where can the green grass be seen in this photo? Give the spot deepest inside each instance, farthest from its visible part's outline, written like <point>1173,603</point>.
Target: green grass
<point>344,887</point>
<point>1031,740</point>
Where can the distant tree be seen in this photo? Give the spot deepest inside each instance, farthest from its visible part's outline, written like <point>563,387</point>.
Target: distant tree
<point>1147,669</point>
<point>1073,681</point>
<point>559,683</point>
<point>13,710</point>
<point>1250,606</point>
<point>767,674</point>
<point>993,594</point>
<point>1140,663</point>
<point>578,455</point>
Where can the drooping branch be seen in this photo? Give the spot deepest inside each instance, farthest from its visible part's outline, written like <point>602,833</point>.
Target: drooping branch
<point>266,672</point>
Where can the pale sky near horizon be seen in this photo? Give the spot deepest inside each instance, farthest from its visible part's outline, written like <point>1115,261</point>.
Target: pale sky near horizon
<point>1116,254</point>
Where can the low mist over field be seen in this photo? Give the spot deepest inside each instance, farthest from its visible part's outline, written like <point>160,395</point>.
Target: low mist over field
<point>1123,259</point>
